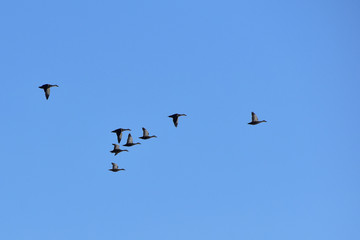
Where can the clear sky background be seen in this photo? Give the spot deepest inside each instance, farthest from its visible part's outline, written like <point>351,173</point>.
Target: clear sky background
<point>130,64</point>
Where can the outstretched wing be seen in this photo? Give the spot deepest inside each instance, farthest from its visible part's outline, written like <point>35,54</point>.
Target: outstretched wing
<point>176,120</point>
<point>254,118</point>
<point>130,139</point>
<point>145,132</point>
<point>114,165</point>
<point>47,92</point>
<point>119,136</point>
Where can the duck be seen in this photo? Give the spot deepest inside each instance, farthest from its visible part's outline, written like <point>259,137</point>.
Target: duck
<point>119,133</point>
<point>117,149</point>
<point>254,119</point>
<point>46,88</point>
<point>129,142</point>
<point>146,134</point>
<point>175,118</point>
<point>115,168</point>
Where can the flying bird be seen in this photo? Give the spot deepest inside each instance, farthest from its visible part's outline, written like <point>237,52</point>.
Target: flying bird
<point>129,142</point>
<point>115,168</point>
<point>146,134</point>
<point>175,118</point>
<point>117,149</point>
<point>119,132</point>
<point>254,119</point>
<point>46,88</point>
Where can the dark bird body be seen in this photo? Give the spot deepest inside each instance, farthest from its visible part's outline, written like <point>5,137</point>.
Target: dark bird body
<point>175,118</point>
<point>115,168</point>
<point>146,134</point>
<point>254,119</point>
<point>46,88</point>
<point>129,142</point>
<point>119,132</point>
<point>117,149</point>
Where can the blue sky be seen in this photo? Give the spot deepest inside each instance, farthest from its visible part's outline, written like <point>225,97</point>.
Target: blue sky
<point>130,64</point>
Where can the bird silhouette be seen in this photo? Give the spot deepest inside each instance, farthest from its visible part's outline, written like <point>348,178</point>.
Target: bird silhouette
<point>117,149</point>
<point>119,132</point>
<point>146,134</point>
<point>254,119</point>
<point>46,88</point>
<point>129,142</point>
<point>115,168</point>
<point>175,118</point>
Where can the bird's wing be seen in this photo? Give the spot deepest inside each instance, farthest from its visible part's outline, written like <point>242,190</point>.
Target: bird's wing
<point>145,132</point>
<point>254,117</point>
<point>130,139</point>
<point>47,92</point>
<point>116,146</point>
<point>176,120</point>
<point>119,136</point>
<point>114,165</point>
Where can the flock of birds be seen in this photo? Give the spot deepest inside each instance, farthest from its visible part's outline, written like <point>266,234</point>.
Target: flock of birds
<point>130,141</point>
<point>145,136</point>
